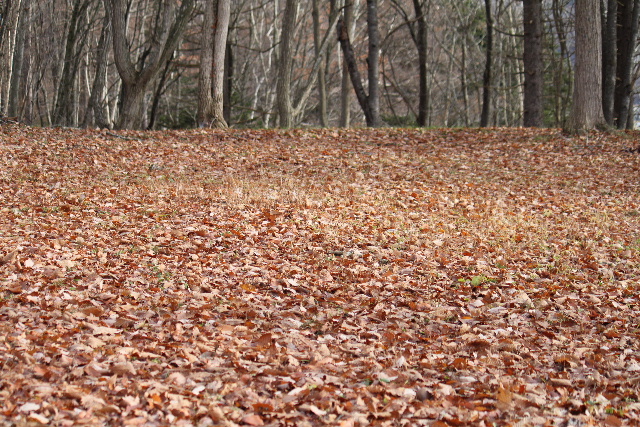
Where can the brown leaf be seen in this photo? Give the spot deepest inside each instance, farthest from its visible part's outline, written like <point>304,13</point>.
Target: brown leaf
<point>253,420</point>
<point>504,398</point>
<point>612,421</point>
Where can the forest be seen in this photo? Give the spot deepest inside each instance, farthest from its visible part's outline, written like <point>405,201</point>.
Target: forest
<point>160,64</point>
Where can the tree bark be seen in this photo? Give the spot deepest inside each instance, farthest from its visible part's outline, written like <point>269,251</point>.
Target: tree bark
<point>285,65</point>
<point>205,82</point>
<point>352,67</point>
<point>212,64</point>
<point>609,37</point>
<point>486,77</point>
<point>423,62</point>
<point>627,33</point>
<point>369,102</point>
<point>228,82</point>
<point>17,84</point>
<point>532,61</point>
<point>10,11</point>
<point>97,113</point>
<point>586,111</point>
<point>322,83</point>
<point>136,78</point>
<point>373,62</point>
<point>63,114</point>
<point>345,93</point>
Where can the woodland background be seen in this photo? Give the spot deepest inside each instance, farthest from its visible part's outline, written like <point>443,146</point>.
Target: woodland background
<point>58,65</point>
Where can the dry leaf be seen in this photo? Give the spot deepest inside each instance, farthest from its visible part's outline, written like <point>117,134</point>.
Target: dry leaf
<point>253,420</point>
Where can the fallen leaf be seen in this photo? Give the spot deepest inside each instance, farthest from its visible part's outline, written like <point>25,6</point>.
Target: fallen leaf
<point>253,420</point>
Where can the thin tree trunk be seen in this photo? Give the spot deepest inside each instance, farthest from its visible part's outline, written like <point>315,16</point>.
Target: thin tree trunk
<point>10,11</point>
<point>352,67</point>
<point>486,78</point>
<point>17,79</point>
<point>628,16</point>
<point>345,94</point>
<point>586,112</point>
<point>155,103</point>
<point>609,37</point>
<point>373,62</point>
<point>370,103</point>
<point>63,111</point>
<point>562,98</point>
<point>423,62</point>
<point>532,60</point>
<point>463,82</point>
<point>98,107</point>
<point>228,83</point>
<point>322,83</point>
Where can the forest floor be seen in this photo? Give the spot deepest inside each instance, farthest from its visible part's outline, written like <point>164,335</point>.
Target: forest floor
<point>319,277</point>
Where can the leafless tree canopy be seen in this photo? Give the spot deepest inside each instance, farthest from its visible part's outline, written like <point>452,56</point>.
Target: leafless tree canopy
<point>149,63</point>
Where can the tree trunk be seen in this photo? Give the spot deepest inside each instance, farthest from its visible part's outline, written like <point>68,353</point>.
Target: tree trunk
<point>345,93</point>
<point>212,64</point>
<point>628,15</point>
<point>63,112</point>
<point>285,65</point>
<point>220,49</point>
<point>322,83</point>
<point>486,77</point>
<point>463,82</point>
<point>370,103</point>
<point>136,77</point>
<point>98,107</point>
<point>10,12</point>
<point>155,103</point>
<point>609,37</point>
<point>131,108</point>
<point>586,112</point>
<point>352,67</point>
<point>563,83</point>
<point>228,83</point>
<point>532,61</point>
<point>423,66</point>
<point>17,85</point>
<point>205,82</point>
<point>373,62</point>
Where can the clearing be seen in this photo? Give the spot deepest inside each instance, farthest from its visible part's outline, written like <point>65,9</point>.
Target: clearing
<point>319,277</point>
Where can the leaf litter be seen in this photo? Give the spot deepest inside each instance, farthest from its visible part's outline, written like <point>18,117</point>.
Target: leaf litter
<point>319,277</point>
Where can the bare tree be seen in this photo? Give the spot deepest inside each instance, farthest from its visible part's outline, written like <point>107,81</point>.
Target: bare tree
<point>97,112</point>
<point>369,102</point>
<point>285,64</point>
<point>609,35</point>
<point>289,110</point>
<point>136,77</point>
<point>10,12</point>
<point>532,59</point>
<point>324,58</point>
<point>66,105</point>
<point>345,92</point>
<point>212,63</point>
<point>487,78</point>
<point>627,33</point>
<point>586,112</point>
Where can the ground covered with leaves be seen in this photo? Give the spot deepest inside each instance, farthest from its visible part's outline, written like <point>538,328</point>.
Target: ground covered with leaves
<point>319,277</point>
